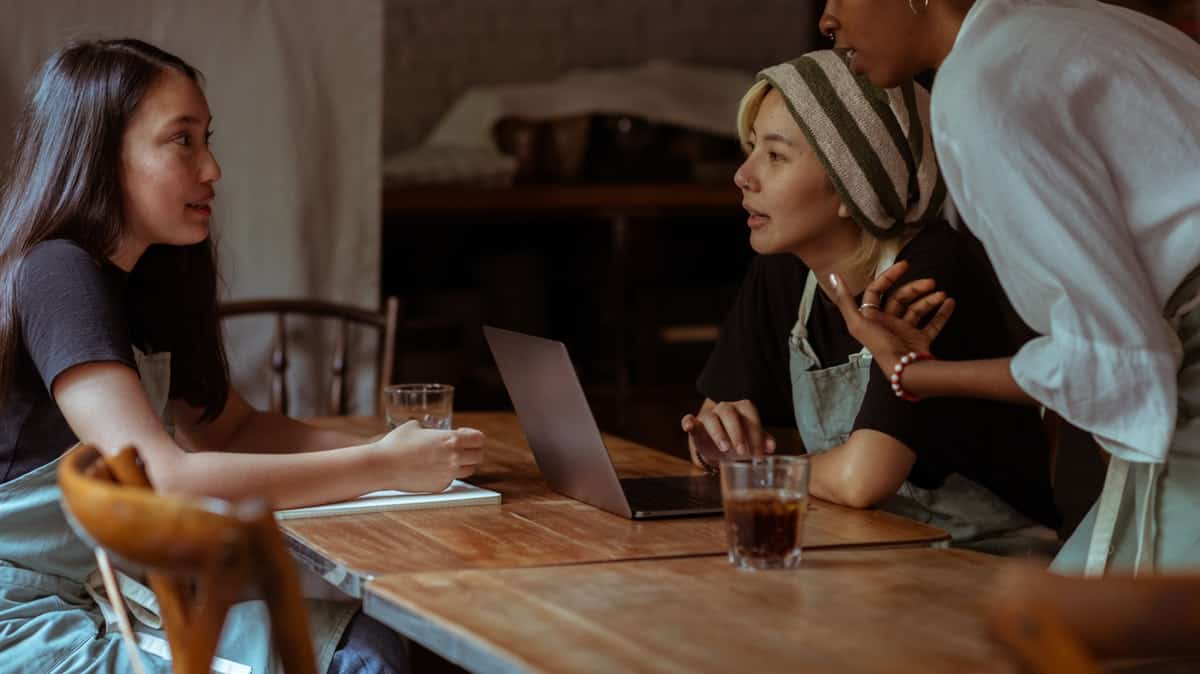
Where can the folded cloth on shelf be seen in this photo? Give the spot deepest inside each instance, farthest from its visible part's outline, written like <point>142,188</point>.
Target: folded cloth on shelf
<point>461,148</point>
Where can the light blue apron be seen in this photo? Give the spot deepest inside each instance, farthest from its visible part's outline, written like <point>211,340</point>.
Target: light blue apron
<point>1148,516</point>
<point>54,615</point>
<point>827,400</point>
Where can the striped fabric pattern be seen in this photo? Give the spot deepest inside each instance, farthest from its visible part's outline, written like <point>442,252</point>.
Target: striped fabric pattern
<point>875,144</point>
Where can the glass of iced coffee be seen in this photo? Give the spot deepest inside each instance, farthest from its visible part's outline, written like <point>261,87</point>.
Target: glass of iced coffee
<point>766,501</point>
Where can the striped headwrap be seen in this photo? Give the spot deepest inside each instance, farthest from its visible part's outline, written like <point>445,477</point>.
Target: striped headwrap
<point>875,143</point>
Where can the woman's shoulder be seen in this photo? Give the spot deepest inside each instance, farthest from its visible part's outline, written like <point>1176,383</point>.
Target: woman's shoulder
<point>951,257</point>
<point>63,268</point>
<point>1013,58</point>
<point>934,246</point>
<point>57,253</point>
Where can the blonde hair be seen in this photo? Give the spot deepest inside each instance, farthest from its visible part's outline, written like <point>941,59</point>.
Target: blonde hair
<point>871,249</point>
<point>748,111</point>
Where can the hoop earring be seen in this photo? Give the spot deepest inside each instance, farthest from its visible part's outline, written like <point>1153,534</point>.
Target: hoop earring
<point>914,7</point>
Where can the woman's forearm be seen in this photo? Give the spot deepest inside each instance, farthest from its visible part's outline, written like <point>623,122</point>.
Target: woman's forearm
<point>828,479</point>
<point>241,428</point>
<point>107,407</point>
<point>271,432</point>
<point>988,379</point>
<point>869,467</point>
<point>285,480</point>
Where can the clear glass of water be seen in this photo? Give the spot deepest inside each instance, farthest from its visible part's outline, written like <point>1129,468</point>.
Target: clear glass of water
<point>431,405</point>
<point>766,502</point>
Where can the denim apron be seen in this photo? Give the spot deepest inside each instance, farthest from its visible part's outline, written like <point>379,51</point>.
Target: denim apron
<point>1148,516</point>
<point>827,400</point>
<point>54,613</point>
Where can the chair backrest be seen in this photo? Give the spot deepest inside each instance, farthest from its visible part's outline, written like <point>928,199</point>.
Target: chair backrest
<point>1063,625</point>
<point>386,322</point>
<point>200,555</point>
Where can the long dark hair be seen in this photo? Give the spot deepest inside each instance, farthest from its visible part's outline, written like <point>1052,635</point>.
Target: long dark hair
<point>63,182</point>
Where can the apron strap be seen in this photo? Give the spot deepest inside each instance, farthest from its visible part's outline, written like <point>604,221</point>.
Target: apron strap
<point>800,329</point>
<point>1184,300</point>
<point>1106,519</point>
<point>118,603</point>
<point>1106,516</point>
<point>1148,526</point>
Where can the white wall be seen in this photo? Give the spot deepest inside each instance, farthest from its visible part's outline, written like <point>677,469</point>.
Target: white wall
<point>295,89</point>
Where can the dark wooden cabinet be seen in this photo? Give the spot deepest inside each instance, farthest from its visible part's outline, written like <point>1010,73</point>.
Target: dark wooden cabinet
<point>608,268</point>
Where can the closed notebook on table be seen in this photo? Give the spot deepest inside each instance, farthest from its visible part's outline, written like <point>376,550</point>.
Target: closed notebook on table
<point>457,494</point>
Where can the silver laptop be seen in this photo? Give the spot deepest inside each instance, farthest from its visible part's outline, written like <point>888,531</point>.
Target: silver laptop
<point>567,444</point>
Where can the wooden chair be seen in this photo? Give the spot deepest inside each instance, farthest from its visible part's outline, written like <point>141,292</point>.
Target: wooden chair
<point>199,555</point>
<point>386,322</point>
<point>1063,625</point>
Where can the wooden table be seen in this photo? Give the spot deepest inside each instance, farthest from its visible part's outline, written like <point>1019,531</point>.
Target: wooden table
<point>537,527</point>
<point>844,611</point>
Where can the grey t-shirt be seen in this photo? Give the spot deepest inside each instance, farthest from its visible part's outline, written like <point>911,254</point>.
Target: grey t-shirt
<point>70,310</point>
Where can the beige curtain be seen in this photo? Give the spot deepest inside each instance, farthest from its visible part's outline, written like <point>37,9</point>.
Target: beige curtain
<point>295,89</point>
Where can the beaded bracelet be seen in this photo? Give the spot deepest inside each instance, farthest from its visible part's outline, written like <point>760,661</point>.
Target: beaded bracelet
<point>906,360</point>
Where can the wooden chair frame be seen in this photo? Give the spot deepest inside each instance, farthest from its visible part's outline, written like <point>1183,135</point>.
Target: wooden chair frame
<point>387,322</point>
<point>199,555</point>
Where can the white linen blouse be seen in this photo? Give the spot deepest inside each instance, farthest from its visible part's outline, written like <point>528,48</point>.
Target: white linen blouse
<point>1068,132</point>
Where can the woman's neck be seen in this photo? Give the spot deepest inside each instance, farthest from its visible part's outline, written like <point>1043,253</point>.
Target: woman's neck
<point>944,22</point>
<point>832,255</point>
<point>128,252</point>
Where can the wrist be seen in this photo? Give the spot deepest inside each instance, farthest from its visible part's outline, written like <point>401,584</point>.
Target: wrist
<point>889,362</point>
<point>374,463</point>
<point>897,374</point>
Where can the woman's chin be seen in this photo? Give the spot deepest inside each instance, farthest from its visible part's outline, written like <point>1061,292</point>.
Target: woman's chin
<point>191,236</point>
<point>883,77</point>
<point>760,242</point>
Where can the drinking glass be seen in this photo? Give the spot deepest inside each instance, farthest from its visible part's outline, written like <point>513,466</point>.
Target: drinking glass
<point>765,500</point>
<point>431,405</point>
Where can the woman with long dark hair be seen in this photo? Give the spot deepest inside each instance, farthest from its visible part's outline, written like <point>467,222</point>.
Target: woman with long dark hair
<point>109,335</point>
<point>1069,135</point>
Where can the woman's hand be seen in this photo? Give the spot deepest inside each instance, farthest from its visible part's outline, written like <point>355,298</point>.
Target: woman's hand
<point>720,428</point>
<point>891,328</point>
<point>425,459</point>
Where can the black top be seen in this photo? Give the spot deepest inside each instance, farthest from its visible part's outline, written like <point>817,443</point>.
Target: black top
<point>998,445</point>
<point>70,311</point>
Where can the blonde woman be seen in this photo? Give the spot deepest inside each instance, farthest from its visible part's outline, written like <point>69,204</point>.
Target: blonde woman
<point>840,178</point>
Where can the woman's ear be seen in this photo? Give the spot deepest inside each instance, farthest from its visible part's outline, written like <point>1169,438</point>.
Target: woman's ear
<point>843,211</point>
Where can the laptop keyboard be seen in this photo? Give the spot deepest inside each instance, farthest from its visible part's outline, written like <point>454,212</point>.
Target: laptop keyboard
<point>673,493</point>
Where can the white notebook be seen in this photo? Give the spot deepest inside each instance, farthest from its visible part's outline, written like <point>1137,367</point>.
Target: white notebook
<point>457,494</point>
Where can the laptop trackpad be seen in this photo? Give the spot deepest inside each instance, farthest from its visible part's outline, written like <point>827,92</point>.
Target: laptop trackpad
<point>666,496</point>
